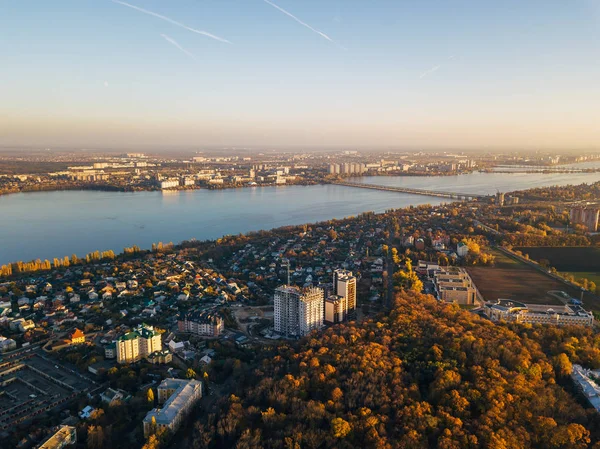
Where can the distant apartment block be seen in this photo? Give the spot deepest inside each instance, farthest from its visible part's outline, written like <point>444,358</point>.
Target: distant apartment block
<point>557,315</point>
<point>138,344</point>
<point>589,216</point>
<point>169,183</point>
<point>344,284</point>
<point>65,436</point>
<point>298,311</point>
<point>178,397</point>
<point>209,324</point>
<point>453,284</point>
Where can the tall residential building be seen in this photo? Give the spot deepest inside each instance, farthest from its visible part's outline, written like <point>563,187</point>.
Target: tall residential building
<point>335,309</point>
<point>298,311</point>
<point>178,397</point>
<point>138,344</point>
<point>344,284</point>
<point>589,216</point>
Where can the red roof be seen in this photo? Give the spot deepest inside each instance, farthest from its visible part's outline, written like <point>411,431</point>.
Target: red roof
<point>77,334</point>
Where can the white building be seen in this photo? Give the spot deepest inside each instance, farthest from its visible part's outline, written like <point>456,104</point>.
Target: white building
<point>557,315</point>
<point>178,397</point>
<point>298,311</point>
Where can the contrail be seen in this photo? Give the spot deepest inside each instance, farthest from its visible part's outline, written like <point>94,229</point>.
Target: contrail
<point>320,33</point>
<point>176,44</point>
<point>429,72</point>
<point>171,21</point>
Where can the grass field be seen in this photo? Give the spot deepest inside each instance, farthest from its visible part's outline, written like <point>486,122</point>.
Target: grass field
<point>512,279</point>
<point>566,259</point>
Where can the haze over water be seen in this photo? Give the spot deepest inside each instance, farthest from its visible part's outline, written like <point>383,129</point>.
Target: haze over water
<point>55,224</point>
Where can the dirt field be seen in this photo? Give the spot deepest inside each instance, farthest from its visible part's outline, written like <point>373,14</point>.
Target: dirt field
<point>511,279</point>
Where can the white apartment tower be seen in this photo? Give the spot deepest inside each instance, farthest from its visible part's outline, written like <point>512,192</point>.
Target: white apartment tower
<point>344,284</point>
<point>298,311</point>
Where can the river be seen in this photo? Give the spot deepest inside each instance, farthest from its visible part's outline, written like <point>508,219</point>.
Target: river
<point>55,224</point>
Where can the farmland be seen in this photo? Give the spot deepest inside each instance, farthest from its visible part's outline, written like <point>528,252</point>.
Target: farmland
<point>512,279</point>
<point>572,259</point>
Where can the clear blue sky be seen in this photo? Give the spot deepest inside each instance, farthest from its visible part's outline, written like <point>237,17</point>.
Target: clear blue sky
<point>384,72</point>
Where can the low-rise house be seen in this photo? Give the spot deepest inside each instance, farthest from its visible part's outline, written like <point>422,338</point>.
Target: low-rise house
<point>7,344</point>
<point>112,396</point>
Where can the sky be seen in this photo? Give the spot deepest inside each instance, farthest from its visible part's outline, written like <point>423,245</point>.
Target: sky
<point>359,73</point>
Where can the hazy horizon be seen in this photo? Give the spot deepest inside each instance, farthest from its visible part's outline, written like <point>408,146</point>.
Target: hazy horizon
<point>285,73</point>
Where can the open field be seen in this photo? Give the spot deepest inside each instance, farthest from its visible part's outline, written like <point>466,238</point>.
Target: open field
<point>512,279</point>
<point>566,259</point>
<point>590,276</point>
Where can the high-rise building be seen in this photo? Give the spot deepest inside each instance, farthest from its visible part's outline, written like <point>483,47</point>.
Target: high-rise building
<point>589,216</point>
<point>344,284</point>
<point>500,199</point>
<point>335,309</point>
<point>298,311</point>
<point>138,344</point>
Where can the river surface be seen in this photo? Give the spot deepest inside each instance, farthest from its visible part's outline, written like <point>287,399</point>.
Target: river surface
<point>56,224</point>
<point>482,183</point>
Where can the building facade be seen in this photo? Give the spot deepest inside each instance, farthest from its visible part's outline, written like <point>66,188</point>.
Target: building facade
<point>556,315</point>
<point>344,284</point>
<point>589,216</point>
<point>177,397</point>
<point>335,309</point>
<point>298,311</point>
<point>453,284</point>
<point>209,324</point>
<point>138,344</point>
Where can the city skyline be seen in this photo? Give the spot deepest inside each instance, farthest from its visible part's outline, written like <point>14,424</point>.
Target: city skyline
<point>287,73</point>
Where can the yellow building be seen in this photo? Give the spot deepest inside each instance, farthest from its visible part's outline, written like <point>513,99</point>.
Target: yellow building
<point>77,337</point>
<point>138,344</point>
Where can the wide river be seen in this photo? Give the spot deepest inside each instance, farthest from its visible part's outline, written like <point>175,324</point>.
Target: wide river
<point>56,224</point>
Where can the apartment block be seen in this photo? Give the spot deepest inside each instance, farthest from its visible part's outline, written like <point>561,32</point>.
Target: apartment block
<point>335,309</point>
<point>205,323</point>
<point>298,311</point>
<point>138,344</point>
<point>453,284</point>
<point>177,398</point>
<point>344,284</point>
<point>589,216</point>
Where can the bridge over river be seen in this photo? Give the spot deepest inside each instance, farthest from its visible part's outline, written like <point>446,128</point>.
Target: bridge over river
<point>451,195</point>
